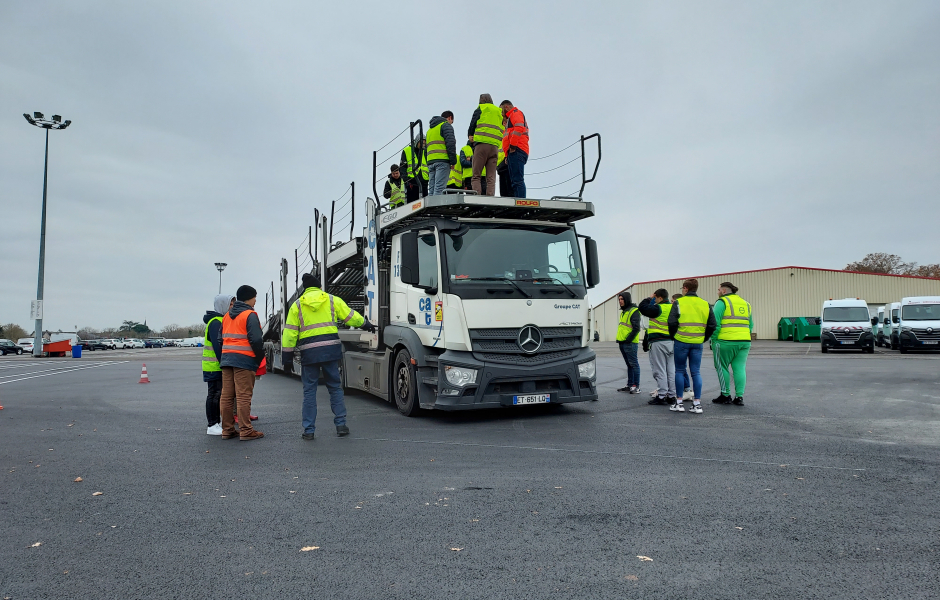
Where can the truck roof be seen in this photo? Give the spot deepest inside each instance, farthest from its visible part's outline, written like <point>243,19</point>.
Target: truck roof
<point>452,206</point>
<point>845,302</point>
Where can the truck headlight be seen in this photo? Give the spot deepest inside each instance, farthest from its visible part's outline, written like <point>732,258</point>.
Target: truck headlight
<point>586,370</point>
<point>460,376</point>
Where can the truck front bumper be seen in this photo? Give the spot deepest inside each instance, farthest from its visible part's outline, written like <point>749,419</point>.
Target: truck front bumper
<point>498,383</point>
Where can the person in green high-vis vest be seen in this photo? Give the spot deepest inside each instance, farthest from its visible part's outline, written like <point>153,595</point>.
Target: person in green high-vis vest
<point>731,342</point>
<point>486,129</point>
<point>211,355</point>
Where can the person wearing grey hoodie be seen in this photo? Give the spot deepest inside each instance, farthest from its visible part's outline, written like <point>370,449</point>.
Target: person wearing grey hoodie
<point>211,355</point>
<point>442,152</point>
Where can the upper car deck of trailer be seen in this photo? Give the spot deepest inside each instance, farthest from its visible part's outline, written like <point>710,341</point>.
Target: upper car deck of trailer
<point>471,206</point>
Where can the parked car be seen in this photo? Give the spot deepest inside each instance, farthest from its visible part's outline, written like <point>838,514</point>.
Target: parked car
<point>8,347</point>
<point>136,343</point>
<point>170,343</point>
<point>111,343</point>
<point>95,345</point>
<point>153,343</point>
<point>26,344</point>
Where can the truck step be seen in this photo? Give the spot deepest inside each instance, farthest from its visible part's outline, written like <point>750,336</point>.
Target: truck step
<point>432,381</point>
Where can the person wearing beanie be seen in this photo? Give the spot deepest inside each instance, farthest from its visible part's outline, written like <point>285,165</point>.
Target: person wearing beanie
<point>691,322</point>
<point>242,352</point>
<point>627,331</point>
<point>211,355</point>
<point>731,342</point>
<point>312,330</point>
<point>660,344</point>
<point>395,191</point>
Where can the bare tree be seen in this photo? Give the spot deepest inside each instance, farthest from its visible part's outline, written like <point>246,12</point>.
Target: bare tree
<point>880,262</point>
<point>12,331</point>
<point>926,270</point>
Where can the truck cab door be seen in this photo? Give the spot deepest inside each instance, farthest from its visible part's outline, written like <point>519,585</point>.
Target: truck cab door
<point>416,297</point>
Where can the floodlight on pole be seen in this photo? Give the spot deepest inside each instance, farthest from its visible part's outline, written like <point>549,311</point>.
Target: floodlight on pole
<point>40,121</point>
<point>221,267</point>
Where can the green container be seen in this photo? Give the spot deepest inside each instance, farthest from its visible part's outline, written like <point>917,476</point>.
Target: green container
<point>785,328</point>
<point>807,329</point>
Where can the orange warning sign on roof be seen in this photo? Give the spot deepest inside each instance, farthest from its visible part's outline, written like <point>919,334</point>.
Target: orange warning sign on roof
<point>527,202</point>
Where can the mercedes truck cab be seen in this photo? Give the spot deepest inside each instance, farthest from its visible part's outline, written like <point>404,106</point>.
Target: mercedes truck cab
<point>846,325</point>
<point>889,329</point>
<point>919,324</point>
<point>877,325</point>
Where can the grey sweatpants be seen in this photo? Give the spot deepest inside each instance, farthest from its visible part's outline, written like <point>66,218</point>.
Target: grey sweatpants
<point>663,366</point>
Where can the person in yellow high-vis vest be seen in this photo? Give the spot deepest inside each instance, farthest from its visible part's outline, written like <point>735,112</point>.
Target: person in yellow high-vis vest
<point>628,329</point>
<point>211,355</point>
<point>731,342</point>
<point>691,322</point>
<point>486,129</point>
<point>660,345</point>
<point>395,191</point>
<point>465,160</point>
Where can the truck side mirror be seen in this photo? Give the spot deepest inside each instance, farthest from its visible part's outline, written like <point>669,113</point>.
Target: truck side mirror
<point>593,268</point>
<point>874,320</point>
<point>409,258</point>
<point>894,319</point>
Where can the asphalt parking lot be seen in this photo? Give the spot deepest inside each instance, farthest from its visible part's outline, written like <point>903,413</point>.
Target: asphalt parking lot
<point>824,485</point>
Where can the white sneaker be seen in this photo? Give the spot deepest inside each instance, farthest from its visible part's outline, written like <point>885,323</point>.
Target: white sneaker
<point>215,429</point>
<point>696,408</point>
<point>688,395</point>
<point>677,407</point>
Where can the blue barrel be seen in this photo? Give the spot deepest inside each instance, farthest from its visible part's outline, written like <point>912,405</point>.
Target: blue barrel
<point>76,351</point>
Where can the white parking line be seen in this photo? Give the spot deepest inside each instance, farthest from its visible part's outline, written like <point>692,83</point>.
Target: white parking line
<point>49,372</point>
<point>51,367</point>
<point>21,365</point>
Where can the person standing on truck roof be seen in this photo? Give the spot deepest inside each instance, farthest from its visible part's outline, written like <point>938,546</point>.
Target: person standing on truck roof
<point>691,322</point>
<point>242,353</point>
<point>311,329</point>
<point>466,164</point>
<point>662,357</point>
<point>486,130</point>
<point>627,331</point>
<point>442,152</point>
<point>416,173</point>
<point>731,342</point>
<point>394,188</point>
<point>515,146</point>
<point>211,355</point>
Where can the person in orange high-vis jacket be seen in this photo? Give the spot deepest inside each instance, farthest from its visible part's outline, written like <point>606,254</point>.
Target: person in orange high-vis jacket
<point>515,146</point>
<point>242,353</point>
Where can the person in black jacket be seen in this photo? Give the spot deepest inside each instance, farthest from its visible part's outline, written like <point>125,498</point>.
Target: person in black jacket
<point>628,345</point>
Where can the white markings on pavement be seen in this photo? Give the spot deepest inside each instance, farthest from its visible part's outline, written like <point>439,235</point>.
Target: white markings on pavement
<point>70,368</point>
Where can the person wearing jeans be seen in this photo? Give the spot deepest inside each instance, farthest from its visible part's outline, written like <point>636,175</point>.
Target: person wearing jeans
<point>442,152</point>
<point>691,322</point>
<point>627,331</point>
<point>515,146</point>
<point>310,375</point>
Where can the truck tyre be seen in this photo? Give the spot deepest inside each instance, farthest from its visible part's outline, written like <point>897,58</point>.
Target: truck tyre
<point>902,349</point>
<point>405,385</point>
<point>825,349</point>
<point>894,344</point>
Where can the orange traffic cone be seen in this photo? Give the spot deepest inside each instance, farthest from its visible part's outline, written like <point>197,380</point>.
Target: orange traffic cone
<point>144,378</point>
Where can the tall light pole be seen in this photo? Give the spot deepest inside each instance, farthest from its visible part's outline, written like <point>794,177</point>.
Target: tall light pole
<point>220,267</point>
<point>56,123</point>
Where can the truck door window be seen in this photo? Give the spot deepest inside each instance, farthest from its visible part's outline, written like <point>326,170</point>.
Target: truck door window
<point>427,260</point>
<point>562,266</point>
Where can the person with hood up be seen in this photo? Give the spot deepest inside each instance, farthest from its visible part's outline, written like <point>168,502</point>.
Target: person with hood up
<point>442,152</point>
<point>627,331</point>
<point>242,353</point>
<point>394,188</point>
<point>659,344</point>
<point>311,329</point>
<point>211,355</point>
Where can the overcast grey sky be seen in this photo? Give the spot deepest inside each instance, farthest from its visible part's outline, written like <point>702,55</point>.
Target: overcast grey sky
<point>737,135</point>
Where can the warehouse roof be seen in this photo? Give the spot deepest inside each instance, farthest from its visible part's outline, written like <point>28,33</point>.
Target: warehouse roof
<point>771,269</point>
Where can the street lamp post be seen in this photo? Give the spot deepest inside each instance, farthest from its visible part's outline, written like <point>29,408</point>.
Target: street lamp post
<point>220,267</point>
<point>56,123</point>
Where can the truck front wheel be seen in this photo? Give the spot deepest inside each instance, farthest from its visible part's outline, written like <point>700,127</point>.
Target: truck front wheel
<point>405,386</point>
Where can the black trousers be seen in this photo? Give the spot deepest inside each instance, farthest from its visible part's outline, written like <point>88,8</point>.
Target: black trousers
<point>212,402</point>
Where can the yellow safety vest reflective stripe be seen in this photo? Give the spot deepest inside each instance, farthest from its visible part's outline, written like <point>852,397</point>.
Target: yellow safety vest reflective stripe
<point>437,147</point>
<point>489,129</point>
<point>398,192</point>
<point>693,315</point>
<point>209,362</point>
<point>661,323</point>
<point>456,176</point>
<point>467,153</point>
<point>411,163</point>
<point>736,320</point>
<point>304,321</point>
<point>624,329</point>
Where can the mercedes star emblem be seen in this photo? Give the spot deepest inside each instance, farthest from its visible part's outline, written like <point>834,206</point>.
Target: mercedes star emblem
<point>530,339</point>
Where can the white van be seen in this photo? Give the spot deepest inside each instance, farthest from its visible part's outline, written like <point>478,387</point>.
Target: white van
<point>889,329</point>
<point>919,323</point>
<point>877,327</point>
<point>846,325</point>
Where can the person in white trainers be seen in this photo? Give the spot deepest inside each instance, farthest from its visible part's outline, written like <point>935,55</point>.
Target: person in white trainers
<point>211,354</point>
<point>691,322</point>
<point>687,392</point>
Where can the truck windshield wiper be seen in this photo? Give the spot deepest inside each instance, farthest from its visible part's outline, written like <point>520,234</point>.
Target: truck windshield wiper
<point>555,281</point>
<point>514,284</point>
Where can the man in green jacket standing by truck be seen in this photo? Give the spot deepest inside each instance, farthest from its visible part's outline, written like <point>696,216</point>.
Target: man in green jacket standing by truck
<point>731,342</point>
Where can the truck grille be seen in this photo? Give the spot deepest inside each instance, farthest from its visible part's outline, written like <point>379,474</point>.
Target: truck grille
<point>854,333</point>
<point>922,335</point>
<point>501,345</point>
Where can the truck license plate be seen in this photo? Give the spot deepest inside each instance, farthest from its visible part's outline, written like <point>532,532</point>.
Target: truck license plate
<point>848,342</point>
<point>532,399</point>
<point>930,342</point>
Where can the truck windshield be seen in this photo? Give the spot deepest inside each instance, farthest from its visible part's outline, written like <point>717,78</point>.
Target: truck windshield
<point>846,314</point>
<point>921,312</point>
<point>515,252</point>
